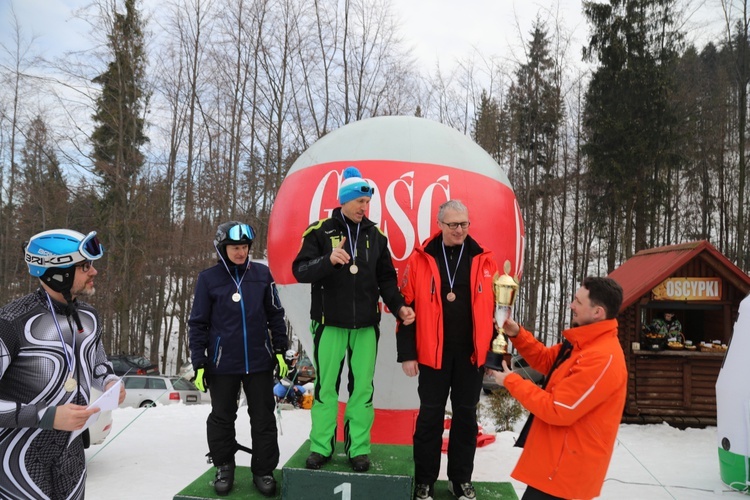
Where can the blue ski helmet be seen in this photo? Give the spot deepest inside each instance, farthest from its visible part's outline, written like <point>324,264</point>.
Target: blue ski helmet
<point>51,255</point>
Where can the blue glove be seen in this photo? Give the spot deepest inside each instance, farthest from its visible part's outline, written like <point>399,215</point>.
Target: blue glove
<point>201,380</point>
<point>283,368</point>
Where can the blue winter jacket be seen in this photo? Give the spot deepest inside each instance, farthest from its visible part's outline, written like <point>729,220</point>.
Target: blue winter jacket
<point>228,337</point>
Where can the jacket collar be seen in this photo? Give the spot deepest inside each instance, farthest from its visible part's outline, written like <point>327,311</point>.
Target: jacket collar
<point>582,335</point>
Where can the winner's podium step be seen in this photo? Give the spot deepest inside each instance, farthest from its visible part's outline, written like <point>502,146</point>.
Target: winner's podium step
<point>202,489</point>
<point>485,491</point>
<point>390,476</point>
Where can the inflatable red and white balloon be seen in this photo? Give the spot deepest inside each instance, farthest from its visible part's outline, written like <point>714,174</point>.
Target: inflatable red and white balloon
<point>415,165</point>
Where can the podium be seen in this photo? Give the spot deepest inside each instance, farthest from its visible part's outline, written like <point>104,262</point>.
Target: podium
<point>391,476</point>
<point>202,489</point>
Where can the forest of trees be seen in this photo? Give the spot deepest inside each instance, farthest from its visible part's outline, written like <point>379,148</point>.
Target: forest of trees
<point>172,124</point>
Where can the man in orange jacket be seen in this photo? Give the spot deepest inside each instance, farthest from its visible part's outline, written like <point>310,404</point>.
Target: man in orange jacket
<point>449,282</point>
<point>574,417</point>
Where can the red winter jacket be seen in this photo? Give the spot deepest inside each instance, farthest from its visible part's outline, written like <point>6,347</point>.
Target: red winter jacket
<point>577,416</point>
<point>420,285</point>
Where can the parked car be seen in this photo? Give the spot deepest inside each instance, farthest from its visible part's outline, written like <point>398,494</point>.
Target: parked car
<point>99,430</point>
<point>132,365</point>
<point>150,390</point>
<point>518,365</point>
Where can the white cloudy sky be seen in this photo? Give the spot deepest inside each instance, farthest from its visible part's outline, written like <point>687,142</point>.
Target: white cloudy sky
<point>435,29</point>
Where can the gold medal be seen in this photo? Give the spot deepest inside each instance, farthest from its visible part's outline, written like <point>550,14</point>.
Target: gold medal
<point>451,296</point>
<point>354,269</point>
<point>236,297</point>
<point>70,384</point>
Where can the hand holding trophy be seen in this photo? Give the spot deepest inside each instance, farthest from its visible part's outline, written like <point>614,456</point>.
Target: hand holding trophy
<point>505,289</point>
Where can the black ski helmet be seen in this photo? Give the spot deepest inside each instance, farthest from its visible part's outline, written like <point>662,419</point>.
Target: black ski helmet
<point>232,233</point>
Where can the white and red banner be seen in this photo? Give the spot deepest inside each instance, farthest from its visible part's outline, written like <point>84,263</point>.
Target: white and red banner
<point>414,165</point>
<point>404,205</point>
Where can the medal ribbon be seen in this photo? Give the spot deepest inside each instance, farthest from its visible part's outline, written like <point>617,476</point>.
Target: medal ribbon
<point>237,283</point>
<point>68,359</point>
<point>352,247</point>
<point>452,279</point>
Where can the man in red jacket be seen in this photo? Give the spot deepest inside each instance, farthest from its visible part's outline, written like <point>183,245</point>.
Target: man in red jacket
<point>449,282</point>
<point>574,417</point>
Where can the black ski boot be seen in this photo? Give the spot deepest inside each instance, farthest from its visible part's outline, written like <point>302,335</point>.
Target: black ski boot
<point>224,479</point>
<point>265,484</point>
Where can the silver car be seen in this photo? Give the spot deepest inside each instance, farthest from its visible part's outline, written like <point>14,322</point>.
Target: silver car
<point>150,390</point>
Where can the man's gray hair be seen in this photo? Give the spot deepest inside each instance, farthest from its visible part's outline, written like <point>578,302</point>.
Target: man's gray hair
<point>454,205</point>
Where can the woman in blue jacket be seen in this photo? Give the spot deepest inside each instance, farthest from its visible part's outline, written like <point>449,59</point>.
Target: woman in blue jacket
<point>237,336</point>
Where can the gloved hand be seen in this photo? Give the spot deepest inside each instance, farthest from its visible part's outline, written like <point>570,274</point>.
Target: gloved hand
<point>283,368</point>
<point>201,380</point>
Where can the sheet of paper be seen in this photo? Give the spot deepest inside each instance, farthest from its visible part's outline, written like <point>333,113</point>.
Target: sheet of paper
<point>107,401</point>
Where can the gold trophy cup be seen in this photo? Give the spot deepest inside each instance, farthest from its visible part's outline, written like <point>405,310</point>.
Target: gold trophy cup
<point>505,289</point>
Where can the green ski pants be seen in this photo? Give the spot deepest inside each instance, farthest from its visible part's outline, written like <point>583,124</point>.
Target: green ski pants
<point>331,345</point>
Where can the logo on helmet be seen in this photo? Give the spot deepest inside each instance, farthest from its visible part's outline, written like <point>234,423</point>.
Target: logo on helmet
<point>53,260</point>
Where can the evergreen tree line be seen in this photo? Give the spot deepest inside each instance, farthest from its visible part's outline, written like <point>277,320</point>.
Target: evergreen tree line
<point>174,123</point>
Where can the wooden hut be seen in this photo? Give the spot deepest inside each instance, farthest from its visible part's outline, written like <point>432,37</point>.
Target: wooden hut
<point>703,289</point>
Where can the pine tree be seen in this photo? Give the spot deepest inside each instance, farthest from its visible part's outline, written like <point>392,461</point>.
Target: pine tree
<point>630,120</point>
<point>118,161</point>
<point>45,192</point>
<point>119,114</point>
<point>536,112</point>
<point>486,129</point>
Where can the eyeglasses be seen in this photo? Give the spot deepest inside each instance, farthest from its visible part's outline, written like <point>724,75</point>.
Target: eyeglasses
<point>85,265</point>
<point>455,225</point>
<point>236,233</point>
<point>367,190</point>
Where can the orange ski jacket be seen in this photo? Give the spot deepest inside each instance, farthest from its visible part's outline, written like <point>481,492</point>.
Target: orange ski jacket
<point>420,286</point>
<point>577,416</point>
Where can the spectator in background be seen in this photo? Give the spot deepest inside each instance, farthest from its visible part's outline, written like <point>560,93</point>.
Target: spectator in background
<point>288,388</point>
<point>668,325</point>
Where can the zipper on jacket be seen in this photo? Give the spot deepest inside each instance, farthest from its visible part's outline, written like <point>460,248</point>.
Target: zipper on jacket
<point>217,352</point>
<point>475,355</point>
<point>433,298</point>
<point>354,303</point>
<point>554,471</point>
<point>244,319</point>
<point>354,277</point>
<point>322,305</point>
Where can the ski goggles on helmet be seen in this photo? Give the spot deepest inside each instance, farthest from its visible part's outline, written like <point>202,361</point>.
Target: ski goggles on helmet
<point>90,247</point>
<point>60,248</point>
<point>240,231</point>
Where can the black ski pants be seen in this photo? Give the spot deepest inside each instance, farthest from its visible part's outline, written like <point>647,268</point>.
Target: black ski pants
<point>222,443</point>
<point>463,381</point>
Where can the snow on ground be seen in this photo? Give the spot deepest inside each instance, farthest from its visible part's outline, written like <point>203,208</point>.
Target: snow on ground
<point>154,453</point>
